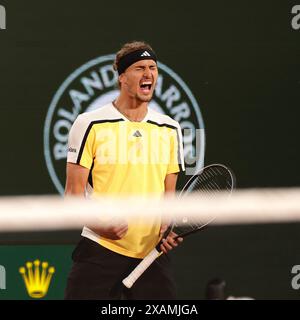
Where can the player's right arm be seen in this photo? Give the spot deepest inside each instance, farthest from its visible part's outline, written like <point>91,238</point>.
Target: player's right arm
<point>77,177</point>
<point>78,169</point>
<point>76,181</point>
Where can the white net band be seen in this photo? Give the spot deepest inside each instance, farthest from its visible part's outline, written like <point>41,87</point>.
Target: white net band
<point>243,207</point>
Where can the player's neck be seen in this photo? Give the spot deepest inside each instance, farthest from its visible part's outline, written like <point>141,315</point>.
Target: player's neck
<point>132,109</point>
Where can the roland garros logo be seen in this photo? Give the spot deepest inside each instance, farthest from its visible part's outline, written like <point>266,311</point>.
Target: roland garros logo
<point>95,84</point>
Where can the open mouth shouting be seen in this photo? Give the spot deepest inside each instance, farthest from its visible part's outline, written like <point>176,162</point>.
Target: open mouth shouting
<point>146,86</point>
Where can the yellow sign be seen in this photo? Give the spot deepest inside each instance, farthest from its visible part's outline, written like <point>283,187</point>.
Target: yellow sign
<point>37,280</point>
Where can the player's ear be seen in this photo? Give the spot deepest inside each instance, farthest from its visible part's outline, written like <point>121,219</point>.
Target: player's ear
<point>121,78</point>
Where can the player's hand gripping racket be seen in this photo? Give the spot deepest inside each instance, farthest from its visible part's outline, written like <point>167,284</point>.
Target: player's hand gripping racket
<point>209,180</point>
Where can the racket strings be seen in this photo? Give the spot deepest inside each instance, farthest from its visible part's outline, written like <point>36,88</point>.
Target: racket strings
<point>209,182</point>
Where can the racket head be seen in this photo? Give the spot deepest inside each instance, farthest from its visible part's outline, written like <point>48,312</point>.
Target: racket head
<point>209,181</point>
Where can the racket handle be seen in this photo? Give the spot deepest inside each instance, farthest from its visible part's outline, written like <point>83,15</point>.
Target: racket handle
<point>140,268</point>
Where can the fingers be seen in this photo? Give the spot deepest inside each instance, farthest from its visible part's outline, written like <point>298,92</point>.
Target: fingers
<point>179,240</point>
<point>163,228</point>
<point>173,237</point>
<point>118,222</point>
<point>170,243</point>
<point>164,225</point>
<point>115,229</point>
<point>119,232</point>
<point>165,246</point>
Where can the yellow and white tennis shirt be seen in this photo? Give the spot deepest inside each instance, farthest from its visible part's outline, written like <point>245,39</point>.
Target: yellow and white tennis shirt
<point>127,158</point>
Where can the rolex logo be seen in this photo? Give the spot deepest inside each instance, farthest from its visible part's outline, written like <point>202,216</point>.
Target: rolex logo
<point>37,277</point>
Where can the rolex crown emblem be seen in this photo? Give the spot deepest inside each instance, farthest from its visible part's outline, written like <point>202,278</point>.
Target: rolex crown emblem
<point>37,277</point>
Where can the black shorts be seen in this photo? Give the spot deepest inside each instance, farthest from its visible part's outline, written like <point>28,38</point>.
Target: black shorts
<point>97,274</point>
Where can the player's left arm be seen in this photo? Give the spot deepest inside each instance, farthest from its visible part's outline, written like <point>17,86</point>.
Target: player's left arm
<point>170,190</point>
<point>170,183</point>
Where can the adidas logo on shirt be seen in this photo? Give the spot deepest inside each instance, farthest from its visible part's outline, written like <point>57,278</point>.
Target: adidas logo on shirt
<point>137,134</point>
<point>145,54</point>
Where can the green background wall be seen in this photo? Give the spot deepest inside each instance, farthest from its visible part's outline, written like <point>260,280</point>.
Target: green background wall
<point>240,59</point>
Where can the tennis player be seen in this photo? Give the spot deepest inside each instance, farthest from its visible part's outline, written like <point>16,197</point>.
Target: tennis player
<point>124,148</point>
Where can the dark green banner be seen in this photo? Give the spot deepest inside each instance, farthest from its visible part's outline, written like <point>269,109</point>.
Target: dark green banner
<point>45,269</point>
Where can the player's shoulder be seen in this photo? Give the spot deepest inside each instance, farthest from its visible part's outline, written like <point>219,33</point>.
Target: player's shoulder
<point>86,120</point>
<point>106,112</point>
<point>160,119</point>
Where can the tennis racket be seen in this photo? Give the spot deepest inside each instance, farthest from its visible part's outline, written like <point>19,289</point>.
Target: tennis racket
<point>209,180</point>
